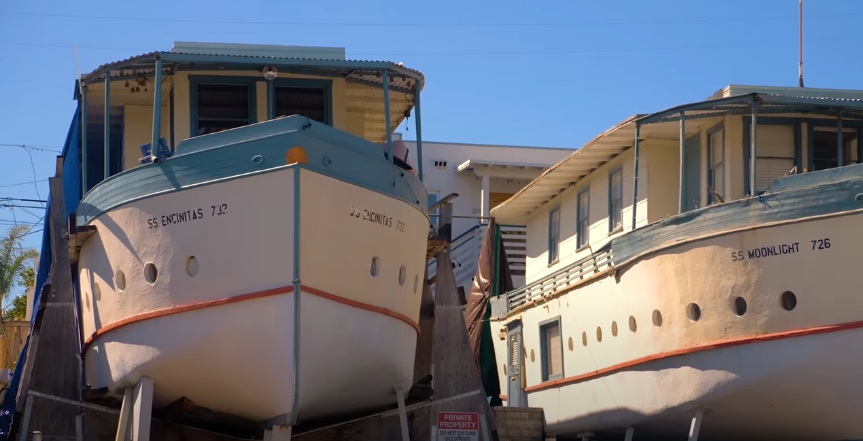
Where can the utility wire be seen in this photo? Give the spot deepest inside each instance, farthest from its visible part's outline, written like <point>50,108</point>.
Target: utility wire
<point>501,53</point>
<point>40,201</point>
<point>23,183</point>
<point>33,147</point>
<point>414,25</point>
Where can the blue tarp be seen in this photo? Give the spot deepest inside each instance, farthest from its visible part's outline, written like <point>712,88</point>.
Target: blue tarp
<point>71,155</point>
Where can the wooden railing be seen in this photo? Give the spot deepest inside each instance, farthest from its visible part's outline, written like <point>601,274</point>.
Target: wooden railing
<point>563,277</point>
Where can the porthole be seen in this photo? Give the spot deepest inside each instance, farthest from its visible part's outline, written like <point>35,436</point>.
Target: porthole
<point>633,326</point>
<point>375,267</point>
<point>657,318</point>
<point>120,280</point>
<point>788,300</point>
<point>740,306</point>
<point>87,301</point>
<point>192,266</point>
<point>598,334</point>
<point>584,339</point>
<point>693,311</point>
<point>416,283</point>
<point>614,329</point>
<point>571,345</point>
<point>403,274</point>
<point>97,292</point>
<point>150,273</point>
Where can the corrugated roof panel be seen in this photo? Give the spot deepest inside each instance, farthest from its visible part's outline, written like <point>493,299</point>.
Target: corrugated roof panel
<point>364,70</point>
<point>615,140</point>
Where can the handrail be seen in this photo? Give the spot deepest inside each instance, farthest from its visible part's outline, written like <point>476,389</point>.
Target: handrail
<point>565,276</point>
<point>454,241</point>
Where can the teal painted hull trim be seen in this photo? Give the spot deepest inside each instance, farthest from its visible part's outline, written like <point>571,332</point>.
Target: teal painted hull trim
<point>792,197</point>
<point>252,149</point>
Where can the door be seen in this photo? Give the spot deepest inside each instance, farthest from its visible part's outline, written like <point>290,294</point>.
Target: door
<point>515,396</point>
<point>692,177</point>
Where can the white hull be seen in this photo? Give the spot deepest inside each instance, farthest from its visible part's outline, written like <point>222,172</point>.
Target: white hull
<point>224,338</point>
<point>768,374</point>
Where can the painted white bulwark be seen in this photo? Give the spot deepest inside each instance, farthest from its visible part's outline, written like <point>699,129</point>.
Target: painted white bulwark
<point>650,300</point>
<point>231,255</point>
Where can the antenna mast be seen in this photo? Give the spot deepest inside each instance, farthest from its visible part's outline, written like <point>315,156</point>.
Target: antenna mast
<point>800,73</point>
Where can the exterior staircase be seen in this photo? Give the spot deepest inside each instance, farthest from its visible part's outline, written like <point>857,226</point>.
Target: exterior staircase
<point>465,254</point>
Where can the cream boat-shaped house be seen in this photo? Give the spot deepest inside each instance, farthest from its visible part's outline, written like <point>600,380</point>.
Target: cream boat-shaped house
<point>266,262</point>
<point>695,270</point>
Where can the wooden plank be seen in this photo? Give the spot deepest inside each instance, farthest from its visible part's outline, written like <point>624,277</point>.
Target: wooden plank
<point>455,370</point>
<point>425,341</point>
<point>53,363</point>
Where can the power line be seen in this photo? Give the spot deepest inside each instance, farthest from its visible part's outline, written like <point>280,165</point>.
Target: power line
<point>41,201</point>
<point>413,25</point>
<point>38,148</point>
<point>503,53</point>
<point>23,183</point>
<point>2,205</point>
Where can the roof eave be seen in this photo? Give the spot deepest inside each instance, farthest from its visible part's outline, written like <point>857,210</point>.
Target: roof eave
<point>254,62</point>
<point>503,207</point>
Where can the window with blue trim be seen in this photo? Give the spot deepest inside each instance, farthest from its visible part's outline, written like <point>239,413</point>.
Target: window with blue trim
<point>716,166</point>
<point>96,143</point>
<point>582,232</point>
<point>825,151</point>
<point>551,350</point>
<point>615,199</point>
<point>309,98</point>
<point>553,234</point>
<point>221,103</point>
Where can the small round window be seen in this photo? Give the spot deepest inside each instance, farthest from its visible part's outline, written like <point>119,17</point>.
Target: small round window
<point>150,273</point>
<point>375,267</point>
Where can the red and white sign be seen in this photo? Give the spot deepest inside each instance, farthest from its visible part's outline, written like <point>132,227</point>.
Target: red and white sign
<point>457,426</point>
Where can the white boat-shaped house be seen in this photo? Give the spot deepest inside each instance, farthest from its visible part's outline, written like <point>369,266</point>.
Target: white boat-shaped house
<point>694,271</point>
<point>275,175</point>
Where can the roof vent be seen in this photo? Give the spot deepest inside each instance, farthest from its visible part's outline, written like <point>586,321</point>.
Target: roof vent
<point>260,50</point>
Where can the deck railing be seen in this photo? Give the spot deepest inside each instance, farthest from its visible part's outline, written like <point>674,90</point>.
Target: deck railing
<point>563,277</point>
<point>466,248</point>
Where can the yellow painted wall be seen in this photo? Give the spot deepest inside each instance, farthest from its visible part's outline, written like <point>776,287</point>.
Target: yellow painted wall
<point>658,183</point>
<point>663,178</point>
<point>537,223</point>
<point>138,123</point>
<point>138,108</point>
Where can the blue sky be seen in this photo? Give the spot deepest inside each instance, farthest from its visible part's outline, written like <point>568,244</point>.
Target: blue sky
<point>544,72</point>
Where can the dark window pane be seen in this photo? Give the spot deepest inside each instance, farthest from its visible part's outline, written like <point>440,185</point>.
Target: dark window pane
<point>223,101</point>
<point>306,101</point>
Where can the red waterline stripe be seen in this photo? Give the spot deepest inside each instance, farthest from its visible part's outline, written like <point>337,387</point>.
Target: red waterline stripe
<point>241,298</point>
<point>702,348</point>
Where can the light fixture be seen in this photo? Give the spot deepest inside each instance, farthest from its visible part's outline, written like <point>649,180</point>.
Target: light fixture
<point>270,73</point>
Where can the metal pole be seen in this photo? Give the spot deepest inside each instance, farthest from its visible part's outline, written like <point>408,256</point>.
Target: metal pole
<point>752,134</point>
<point>681,192</point>
<point>157,108</point>
<point>419,131</point>
<point>386,80</point>
<point>171,110</point>
<point>271,99</point>
<point>84,186</point>
<point>635,174</point>
<point>839,149</point>
<point>107,161</point>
